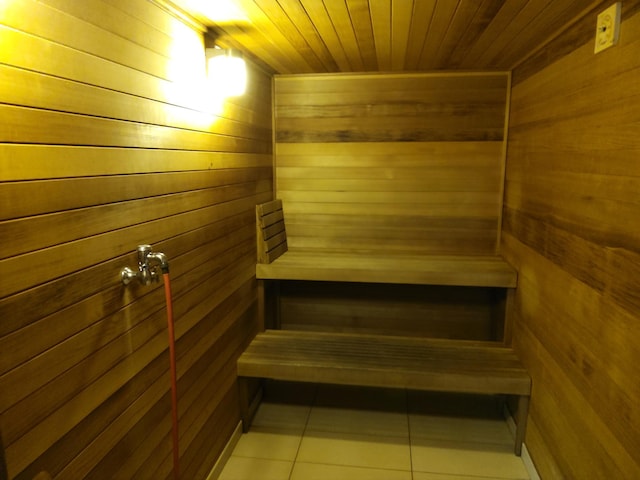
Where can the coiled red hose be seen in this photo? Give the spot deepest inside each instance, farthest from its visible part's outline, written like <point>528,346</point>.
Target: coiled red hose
<point>174,381</point>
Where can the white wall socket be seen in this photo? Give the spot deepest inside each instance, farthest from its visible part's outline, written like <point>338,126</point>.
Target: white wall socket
<point>608,28</point>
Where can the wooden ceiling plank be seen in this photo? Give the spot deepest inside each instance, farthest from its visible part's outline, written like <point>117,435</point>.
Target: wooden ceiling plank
<point>381,22</point>
<point>308,30</point>
<point>401,16</point>
<point>420,23</point>
<point>274,39</point>
<point>252,44</point>
<point>318,36</point>
<point>339,14</point>
<point>464,14</point>
<point>541,28</point>
<point>280,20</point>
<point>510,31</point>
<point>361,20</point>
<point>442,17</point>
<point>497,24</point>
<point>322,22</point>
<point>482,18</point>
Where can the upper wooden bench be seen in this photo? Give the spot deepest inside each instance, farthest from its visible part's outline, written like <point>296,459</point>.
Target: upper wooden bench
<point>277,262</point>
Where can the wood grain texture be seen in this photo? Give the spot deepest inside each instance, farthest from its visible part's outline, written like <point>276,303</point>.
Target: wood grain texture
<point>571,229</point>
<point>303,36</point>
<point>315,265</point>
<point>388,362</point>
<point>385,309</point>
<point>107,143</point>
<point>385,361</point>
<point>402,163</point>
<point>270,231</point>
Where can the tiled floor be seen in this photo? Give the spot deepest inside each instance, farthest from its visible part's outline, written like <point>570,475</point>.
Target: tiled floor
<point>308,432</point>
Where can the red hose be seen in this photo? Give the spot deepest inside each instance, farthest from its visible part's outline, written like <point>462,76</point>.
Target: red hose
<point>174,382</point>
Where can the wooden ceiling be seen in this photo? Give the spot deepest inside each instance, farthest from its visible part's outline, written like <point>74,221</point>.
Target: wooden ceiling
<point>316,36</point>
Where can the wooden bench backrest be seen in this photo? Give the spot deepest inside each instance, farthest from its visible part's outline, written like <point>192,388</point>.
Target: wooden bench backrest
<point>272,236</point>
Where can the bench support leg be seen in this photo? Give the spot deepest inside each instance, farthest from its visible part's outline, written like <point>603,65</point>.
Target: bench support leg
<point>243,386</point>
<point>521,427</point>
<point>276,308</point>
<point>248,405</point>
<point>261,306</point>
<point>268,305</point>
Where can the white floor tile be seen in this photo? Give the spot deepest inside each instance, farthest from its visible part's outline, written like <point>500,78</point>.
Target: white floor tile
<point>344,396</point>
<point>241,468</point>
<point>272,444</point>
<point>370,451</point>
<point>278,415</point>
<point>445,476</point>
<point>455,458</point>
<point>311,471</point>
<point>359,422</point>
<point>475,430</point>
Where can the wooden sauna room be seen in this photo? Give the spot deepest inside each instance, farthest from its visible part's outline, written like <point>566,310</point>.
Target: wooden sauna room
<point>455,175</point>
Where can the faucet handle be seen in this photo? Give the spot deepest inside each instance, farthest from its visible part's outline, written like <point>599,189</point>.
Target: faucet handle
<point>148,263</point>
<point>143,252</point>
<point>127,274</point>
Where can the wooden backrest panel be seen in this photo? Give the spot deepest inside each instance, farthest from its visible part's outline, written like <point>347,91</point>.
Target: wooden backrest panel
<point>270,230</point>
<point>398,163</point>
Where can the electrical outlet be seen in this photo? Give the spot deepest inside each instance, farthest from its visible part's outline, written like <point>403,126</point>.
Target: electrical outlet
<point>608,28</point>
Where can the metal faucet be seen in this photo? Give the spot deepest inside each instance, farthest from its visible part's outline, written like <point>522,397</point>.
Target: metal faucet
<point>148,262</point>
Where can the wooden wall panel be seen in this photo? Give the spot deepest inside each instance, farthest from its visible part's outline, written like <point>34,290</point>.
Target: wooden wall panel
<point>394,163</point>
<point>108,142</point>
<point>400,163</point>
<point>409,310</point>
<point>571,227</point>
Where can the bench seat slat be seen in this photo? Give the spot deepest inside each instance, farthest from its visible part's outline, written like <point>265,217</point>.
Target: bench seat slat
<point>273,218</point>
<point>391,366</point>
<point>301,264</point>
<point>384,361</point>
<point>430,381</point>
<point>475,358</point>
<point>271,232</point>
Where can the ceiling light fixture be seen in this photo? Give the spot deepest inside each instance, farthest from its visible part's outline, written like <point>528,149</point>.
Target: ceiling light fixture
<point>226,71</point>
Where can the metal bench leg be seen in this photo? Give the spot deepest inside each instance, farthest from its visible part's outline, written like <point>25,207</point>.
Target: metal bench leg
<point>521,427</point>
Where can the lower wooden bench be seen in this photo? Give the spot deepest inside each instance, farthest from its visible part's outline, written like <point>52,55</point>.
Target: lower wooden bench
<point>386,361</point>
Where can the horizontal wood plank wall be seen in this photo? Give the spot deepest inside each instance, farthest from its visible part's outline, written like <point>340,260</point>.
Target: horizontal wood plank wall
<point>392,163</point>
<point>108,140</point>
<point>403,163</point>
<point>572,228</point>
<point>409,310</point>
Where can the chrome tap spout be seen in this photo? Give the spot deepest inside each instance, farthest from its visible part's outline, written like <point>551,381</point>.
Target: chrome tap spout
<point>161,259</point>
<point>148,262</point>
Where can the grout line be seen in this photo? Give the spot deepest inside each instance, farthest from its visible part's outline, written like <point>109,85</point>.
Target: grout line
<point>406,403</point>
<point>304,430</point>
